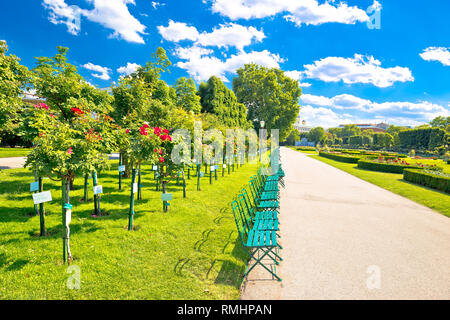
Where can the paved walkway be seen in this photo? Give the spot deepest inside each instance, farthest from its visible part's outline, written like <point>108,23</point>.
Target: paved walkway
<point>18,162</point>
<point>342,235</point>
<point>12,163</point>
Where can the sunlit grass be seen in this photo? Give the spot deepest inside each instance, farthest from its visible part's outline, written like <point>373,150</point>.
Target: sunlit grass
<point>191,252</point>
<point>13,152</point>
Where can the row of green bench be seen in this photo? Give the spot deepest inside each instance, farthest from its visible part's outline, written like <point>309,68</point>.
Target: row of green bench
<point>256,211</point>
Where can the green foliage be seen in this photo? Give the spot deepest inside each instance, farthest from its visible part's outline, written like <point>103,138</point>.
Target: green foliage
<point>217,99</point>
<point>440,122</point>
<point>316,134</point>
<point>66,149</point>
<point>340,157</point>
<point>384,167</point>
<point>131,99</point>
<point>356,140</point>
<point>382,140</point>
<point>293,137</point>
<point>422,138</point>
<point>187,97</point>
<point>14,79</point>
<point>429,179</point>
<point>59,83</point>
<point>269,95</point>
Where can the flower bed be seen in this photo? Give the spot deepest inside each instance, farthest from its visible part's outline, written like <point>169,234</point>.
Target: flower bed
<point>340,157</point>
<point>390,165</point>
<point>429,178</point>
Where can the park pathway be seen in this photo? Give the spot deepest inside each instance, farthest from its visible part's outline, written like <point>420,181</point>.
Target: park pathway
<point>18,162</point>
<point>12,163</point>
<point>345,238</point>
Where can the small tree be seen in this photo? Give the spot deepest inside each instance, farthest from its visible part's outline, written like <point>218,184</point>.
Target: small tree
<point>64,149</point>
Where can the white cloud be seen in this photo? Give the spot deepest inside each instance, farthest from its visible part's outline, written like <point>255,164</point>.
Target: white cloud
<point>342,101</point>
<point>359,69</point>
<point>297,75</point>
<point>324,117</point>
<point>99,71</point>
<point>62,13</point>
<point>128,69</point>
<point>294,74</point>
<point>201,65</point>
<point>400,113</point>
<point>110,14</point>
<point>226,35</point>
<point>440,54</point>
<point>155,4</point>
<point>297,11</point>
<point>231,35</point>
<point>177,31</point>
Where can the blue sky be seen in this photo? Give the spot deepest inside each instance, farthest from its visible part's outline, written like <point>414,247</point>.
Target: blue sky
<point>399,72</point>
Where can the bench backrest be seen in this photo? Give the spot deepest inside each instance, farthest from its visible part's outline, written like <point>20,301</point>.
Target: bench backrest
<point>240,225</point>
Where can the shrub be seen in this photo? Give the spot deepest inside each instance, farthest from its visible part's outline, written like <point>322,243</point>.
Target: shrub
<point>305,148</point>
<point>340,157</point>
<point>435,180</point>
<point>385,167</point>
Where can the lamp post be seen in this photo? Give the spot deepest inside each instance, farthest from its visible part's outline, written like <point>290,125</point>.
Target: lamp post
<point>261,125</point>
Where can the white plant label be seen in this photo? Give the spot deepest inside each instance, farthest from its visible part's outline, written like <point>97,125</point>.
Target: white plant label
<point>98,189</point>
<point>42,197</point>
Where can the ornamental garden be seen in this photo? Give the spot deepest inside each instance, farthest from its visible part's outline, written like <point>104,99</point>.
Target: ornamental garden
<point>129,184</point>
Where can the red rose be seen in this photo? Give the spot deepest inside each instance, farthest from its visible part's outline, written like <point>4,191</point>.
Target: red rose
<point>161,159</point>
<point>166,131</point>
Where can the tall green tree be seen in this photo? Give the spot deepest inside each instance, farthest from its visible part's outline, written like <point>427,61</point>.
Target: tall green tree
<point>316,134</point>
<point>187,97</point>
<point>269,96</point>
<point>440,122</point>
<point>217,99</point>
<point>14,79</point>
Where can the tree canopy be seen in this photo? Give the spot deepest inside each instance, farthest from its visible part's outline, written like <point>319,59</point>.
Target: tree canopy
<point>269,96</point>
<point>14,79</point>
<point>217,99</point>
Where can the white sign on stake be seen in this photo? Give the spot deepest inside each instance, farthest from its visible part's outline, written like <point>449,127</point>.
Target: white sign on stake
<point>224,165</point>
<point>135,187</point>
<point>155,168</point>
<point>122,168</point>
<point>98,189</point>
<point>212,168</point>
<point>42,197</point>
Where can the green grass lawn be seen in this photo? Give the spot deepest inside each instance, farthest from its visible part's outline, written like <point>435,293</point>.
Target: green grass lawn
<point>191,252</point>
<point>434,199</point>
<point>13,152</point>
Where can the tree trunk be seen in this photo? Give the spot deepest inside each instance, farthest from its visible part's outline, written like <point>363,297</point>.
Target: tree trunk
<point>131,212</point>
<point>41,211</point>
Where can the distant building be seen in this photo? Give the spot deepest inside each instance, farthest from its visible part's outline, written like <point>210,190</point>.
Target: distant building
<point>301,126</point>
<point>380,127</point>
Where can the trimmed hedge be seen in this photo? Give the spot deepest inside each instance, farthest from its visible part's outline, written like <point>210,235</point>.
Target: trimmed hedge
<point>427,179</point>
<point>384,167</point>
<point>339,157</point>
